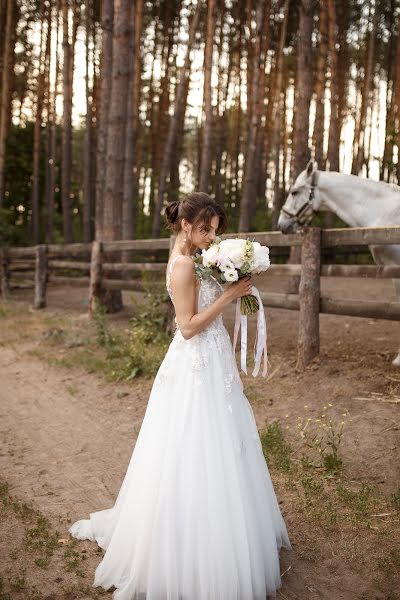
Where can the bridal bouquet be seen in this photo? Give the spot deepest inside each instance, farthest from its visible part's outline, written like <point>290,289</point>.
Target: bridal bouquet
<point>227,261</point>
<point>230,259</point>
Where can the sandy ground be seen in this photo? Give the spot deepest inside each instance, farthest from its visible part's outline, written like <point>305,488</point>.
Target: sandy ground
<point>67,437</point>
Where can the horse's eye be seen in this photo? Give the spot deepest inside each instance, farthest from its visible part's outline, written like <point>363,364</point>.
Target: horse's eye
<point>294,192</point>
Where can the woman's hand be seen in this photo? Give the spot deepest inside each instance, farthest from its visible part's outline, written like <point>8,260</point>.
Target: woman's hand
<point>239,288</point>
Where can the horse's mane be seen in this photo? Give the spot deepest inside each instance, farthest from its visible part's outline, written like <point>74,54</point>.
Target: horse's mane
<point>370,182</point>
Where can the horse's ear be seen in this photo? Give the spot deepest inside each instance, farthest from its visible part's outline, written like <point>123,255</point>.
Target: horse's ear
<point>312,166</point>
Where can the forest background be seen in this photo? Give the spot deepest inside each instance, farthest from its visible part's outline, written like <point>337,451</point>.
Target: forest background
<point>109,109</point>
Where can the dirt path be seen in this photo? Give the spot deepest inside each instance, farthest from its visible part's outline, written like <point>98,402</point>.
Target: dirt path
<point>67,437</point>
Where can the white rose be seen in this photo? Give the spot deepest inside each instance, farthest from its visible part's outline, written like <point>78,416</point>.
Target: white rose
<point>210,255</point>
<point>260,260</point>
<point>234,249</point>
<point>231,275</point>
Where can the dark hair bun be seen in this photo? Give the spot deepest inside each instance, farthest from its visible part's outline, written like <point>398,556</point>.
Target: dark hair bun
<point>171,212</point>
<point>196,207</point>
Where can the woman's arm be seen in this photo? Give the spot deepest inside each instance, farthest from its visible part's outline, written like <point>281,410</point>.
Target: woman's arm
<point>183,286</point>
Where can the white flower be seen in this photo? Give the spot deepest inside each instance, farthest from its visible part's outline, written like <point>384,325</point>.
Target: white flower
<point>210,255</point>
<point>234,249</point>
<point>224,262</point>
<point>231,275</point>
<point>260,260</point>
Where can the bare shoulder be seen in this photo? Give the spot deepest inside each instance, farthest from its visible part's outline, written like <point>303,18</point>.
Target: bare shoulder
<point>183,269</point>
<point>184,264</point>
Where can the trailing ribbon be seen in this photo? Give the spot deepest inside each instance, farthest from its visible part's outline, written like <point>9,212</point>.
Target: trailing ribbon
<point>260,343</point>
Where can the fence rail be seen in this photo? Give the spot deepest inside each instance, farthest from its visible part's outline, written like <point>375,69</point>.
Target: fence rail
<point>97,270</point>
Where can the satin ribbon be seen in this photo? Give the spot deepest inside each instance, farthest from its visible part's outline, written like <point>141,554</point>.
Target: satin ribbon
<point>260,343</point>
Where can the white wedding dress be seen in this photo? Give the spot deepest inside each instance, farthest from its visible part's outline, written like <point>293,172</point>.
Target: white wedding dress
<point>196,517</point>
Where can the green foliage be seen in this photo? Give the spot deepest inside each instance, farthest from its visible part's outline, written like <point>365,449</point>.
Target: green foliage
<point>144,349</point>
<point>276,448</point>
<point>148,341</point>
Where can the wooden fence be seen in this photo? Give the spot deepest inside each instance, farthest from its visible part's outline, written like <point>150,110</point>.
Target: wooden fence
<point>95,262</point>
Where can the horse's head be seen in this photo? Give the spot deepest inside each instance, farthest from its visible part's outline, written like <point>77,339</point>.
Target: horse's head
<point>301,204</point>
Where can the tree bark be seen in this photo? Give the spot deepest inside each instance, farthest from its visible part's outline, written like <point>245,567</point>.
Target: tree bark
<point>205,170</point>
<point>359,138</point>
<point>304,87</point>
<point>87,171</point>
<point>51,184</point>
<point>334,132</point>
<point>257,95</point>
<point>179,112</point>
<point>116,135</point>
<point>44,51</point>
<point>8,66</point>
<point>128,226</point>
<point>276,115</point>
<point>320,85</point>
<point>66,129</point>
<point>107,24</point>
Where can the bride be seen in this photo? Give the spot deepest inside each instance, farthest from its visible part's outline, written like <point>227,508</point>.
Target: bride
<point>196,517</point>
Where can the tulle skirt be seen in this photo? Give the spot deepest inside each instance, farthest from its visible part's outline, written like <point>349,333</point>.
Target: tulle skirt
<point>196,517</point>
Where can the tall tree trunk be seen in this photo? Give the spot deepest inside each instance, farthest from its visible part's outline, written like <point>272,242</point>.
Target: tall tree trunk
<point>116,135</point>
<point>304,86</point>
<point>334,133</point>
<point>257,95</point>
<point>107,21</point>
<point>343,61</point>
<point>205,170</point>
<point>44,52</point>
<point>180,107</point>
<point>276,115</point>
<point>358,158</point>
<point>67,128</point>
<point>5,92</point>
<point>128,225</point>
<point>51,184</point>
<point>87,170</point>
<point>320,85</point>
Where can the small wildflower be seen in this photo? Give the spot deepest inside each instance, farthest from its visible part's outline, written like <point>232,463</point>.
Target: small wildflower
<point>329,404</point>
<point>325,407</point>
<point>306,406</point>
<point>286,415</point>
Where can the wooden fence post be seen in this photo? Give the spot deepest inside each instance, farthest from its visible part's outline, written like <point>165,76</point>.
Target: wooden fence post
<point>40,275</point>
<point>4,273</point>
<point>96,260</point>
<point>309,297</point>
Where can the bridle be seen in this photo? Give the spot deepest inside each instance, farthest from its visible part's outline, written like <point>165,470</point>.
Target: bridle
<point>306,211</point>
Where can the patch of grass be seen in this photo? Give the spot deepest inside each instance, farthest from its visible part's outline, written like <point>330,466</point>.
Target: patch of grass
<point>390,563</point>
<point>276,449</point>
<point>74,559</point>
<point>325,497</point>
<point>41,538</point>
<point>40,541</point>
<point>394,500</point>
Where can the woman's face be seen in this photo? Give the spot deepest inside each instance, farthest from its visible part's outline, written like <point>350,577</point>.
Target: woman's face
<point>201,235</point>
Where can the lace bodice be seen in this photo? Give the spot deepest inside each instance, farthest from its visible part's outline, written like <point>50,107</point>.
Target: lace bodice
<point>209,289</point>
<point>202,345</point>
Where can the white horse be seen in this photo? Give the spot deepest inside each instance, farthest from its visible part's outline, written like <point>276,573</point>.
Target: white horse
<point>357,201</point>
